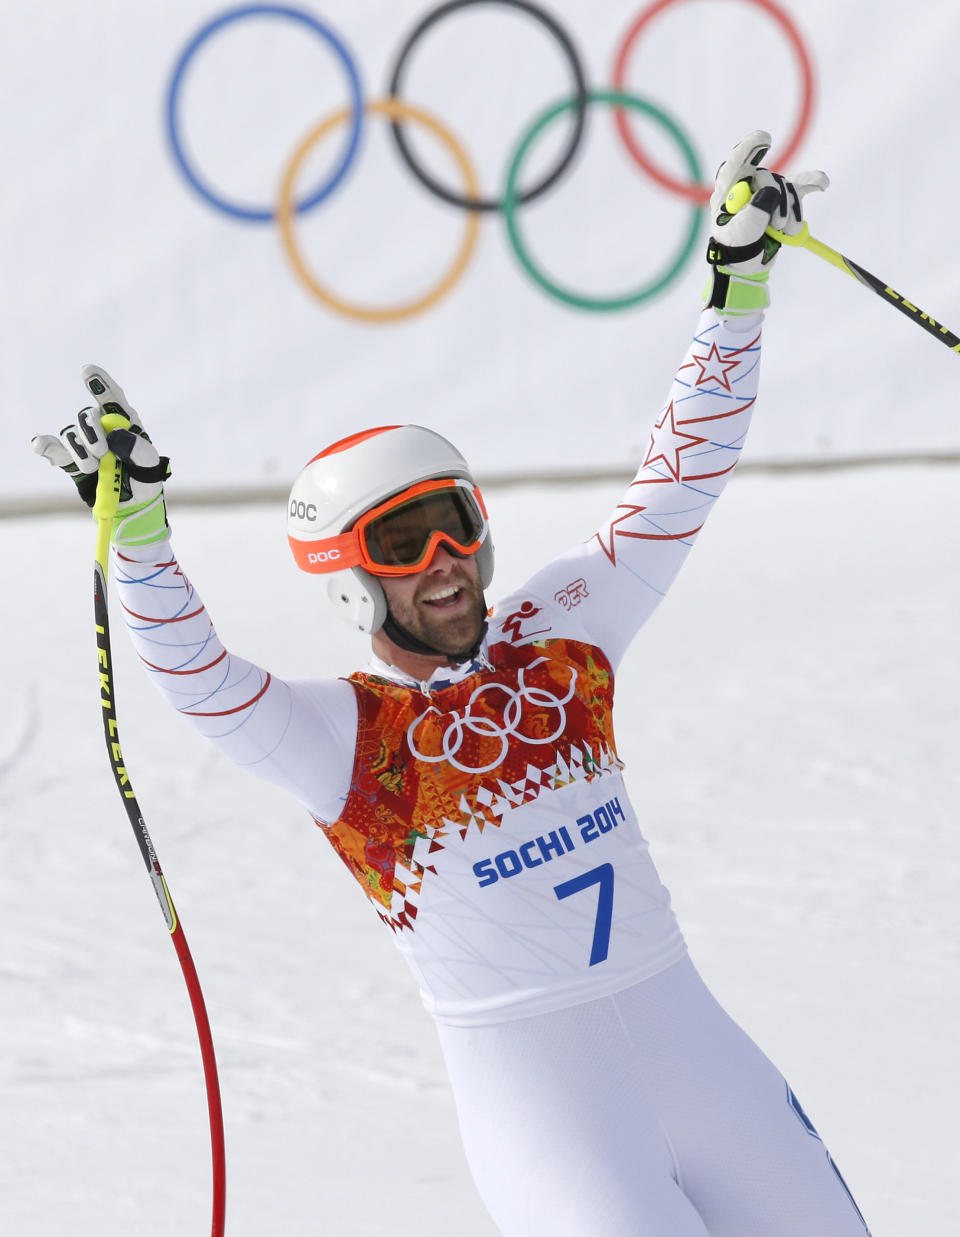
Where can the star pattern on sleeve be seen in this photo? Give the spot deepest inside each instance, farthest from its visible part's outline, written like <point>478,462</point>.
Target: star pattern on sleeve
<point>713,368</point>
<point>666,443</point>
<point>627,510</point>
<point>648,531</point>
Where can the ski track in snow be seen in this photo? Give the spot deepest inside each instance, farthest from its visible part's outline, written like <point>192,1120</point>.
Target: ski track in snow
<point>789,720</point>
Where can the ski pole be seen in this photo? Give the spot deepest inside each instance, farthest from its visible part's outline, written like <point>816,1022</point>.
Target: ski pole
<point>740,195</point>
<point>104,509</point>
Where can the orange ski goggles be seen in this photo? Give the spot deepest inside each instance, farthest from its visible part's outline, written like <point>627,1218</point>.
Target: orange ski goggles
<point>399,537</point>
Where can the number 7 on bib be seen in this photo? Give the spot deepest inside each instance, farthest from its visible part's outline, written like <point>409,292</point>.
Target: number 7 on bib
<point>602,877</point>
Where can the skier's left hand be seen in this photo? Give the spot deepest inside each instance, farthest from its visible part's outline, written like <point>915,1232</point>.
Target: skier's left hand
<point>79,448</point>
<point>740,253</point>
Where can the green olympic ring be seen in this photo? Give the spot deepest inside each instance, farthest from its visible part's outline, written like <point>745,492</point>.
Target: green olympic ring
<point>512,200</point>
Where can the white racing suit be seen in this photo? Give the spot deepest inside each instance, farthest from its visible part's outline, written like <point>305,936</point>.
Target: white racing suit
<point>601,1091</point>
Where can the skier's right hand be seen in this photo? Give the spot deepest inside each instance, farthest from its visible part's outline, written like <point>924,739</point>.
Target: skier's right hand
<point>141,516</point>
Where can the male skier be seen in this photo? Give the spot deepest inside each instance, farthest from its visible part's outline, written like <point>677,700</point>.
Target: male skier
<point>469,779</point>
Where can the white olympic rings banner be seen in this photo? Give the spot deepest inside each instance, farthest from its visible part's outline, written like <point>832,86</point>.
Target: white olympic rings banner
<point>241,375</point>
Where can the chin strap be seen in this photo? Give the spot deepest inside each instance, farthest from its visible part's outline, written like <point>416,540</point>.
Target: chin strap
<point>406,640</point>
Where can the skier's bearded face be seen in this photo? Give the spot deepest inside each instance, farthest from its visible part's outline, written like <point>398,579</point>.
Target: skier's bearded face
<point>442,605</point>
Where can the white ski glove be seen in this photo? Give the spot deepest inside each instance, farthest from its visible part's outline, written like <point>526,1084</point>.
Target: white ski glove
<point>740,252</point>
<point>141,516</point>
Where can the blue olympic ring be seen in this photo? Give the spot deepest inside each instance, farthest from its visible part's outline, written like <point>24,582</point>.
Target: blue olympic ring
<point>246,213</point>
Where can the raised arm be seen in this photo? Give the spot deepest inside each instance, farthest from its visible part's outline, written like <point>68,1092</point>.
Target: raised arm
<point>297,735</point>
<point>608,587</point>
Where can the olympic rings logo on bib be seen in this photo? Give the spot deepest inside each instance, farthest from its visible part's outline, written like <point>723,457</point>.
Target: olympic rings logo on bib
<point>454,731</point>
<point>468,196</point>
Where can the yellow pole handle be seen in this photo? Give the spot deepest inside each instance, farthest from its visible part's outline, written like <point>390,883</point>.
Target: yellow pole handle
<point>804,240</point>
<point>108,490</point>
<point>740,195</point>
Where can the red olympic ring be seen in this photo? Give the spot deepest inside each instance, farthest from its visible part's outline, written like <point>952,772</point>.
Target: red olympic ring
<point>701,193</point>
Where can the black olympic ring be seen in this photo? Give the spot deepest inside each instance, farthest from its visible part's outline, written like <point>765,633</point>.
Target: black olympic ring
<point>580,95</point>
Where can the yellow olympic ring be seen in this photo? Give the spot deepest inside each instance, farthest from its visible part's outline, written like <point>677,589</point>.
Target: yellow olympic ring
<point>395,109</point>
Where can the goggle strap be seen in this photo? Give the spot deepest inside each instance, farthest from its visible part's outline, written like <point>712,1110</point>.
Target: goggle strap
<point>329,554</point>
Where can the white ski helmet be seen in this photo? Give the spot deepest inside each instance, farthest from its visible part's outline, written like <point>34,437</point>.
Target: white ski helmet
<point>353,476</point>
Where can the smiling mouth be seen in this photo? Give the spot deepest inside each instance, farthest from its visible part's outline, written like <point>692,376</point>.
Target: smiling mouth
<point>443,598</point>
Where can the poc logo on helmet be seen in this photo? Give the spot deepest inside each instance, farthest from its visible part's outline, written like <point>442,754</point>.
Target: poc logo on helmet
<point>303,511</point>
<point>323,556</point>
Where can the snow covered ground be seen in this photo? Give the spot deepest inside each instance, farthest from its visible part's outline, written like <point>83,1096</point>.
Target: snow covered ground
<point>790,722</point>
